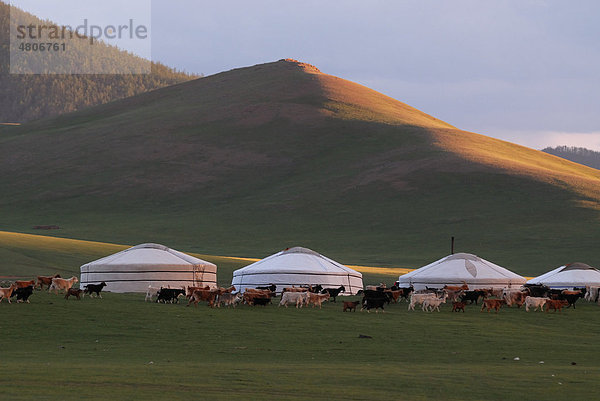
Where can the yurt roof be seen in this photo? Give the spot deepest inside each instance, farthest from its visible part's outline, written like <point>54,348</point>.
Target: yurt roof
<point>149,254</point>
<point>462,267</point>
<point>297,260</point>
<point>572,274</point>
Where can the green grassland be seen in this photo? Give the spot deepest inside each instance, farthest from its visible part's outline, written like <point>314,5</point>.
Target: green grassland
<point>123,348</point>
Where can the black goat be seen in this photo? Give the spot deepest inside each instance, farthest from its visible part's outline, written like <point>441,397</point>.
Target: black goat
<point>94,288</point>
<point>334,292</point>
<point>472,296</point>
<point>23,294</point>
<point>537,290</point>
<point>169,294</point>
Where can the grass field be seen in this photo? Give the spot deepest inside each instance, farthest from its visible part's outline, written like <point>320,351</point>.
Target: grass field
<point>120,347</point>
<point>124,348</point>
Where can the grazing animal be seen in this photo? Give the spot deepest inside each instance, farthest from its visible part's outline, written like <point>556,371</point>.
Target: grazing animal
<point>555,304</point>
<point>61,284</point>
<point>23,294</point>
<point>75,292</point>
<point>454,295</point>
<point>7,292</point>
<point>169,295</point>
<point>490,304</point>
<point>23,284</point>
<point>377,303</point>
<point>151,292</point>
<point>222,290</point>
<point>271,287</point>
<point>515,297</point>
<point>534,302</point>
<point>591,293</point>
<point>458,306</point>
<point>334,292</point>
<point>94,288</point>
<point>418,299</point>
<point>378,294</point>
<point>189,290</point>
<point>251,293</point>
<point>45,281</point>
<point>429,304</point>
<point>228,299</point>
<point>405,292</point>
<point>297,298</point>
<point>249,297</point>
<point>316,299</point>
<point>493,292</point>
<point>571,297</point>
<point>394,295</point>
<point>350,305</point>
<point>472,296</point>
<point>210,296</point>
<point>537,290</point>
<point>554,293</point>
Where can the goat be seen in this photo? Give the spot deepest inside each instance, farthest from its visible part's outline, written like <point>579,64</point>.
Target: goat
<point>350,305</point>
<point>334,292</point>
<point>94,288</point>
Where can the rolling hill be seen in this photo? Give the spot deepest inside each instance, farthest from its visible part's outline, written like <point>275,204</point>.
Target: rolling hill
<point>29,97</point>
<point>253,160</point>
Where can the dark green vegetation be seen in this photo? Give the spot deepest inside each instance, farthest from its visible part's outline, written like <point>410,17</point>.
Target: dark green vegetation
<point>29,97</point>
<point>250,161</point>
<point>122,348</point>
<point>583,156</point>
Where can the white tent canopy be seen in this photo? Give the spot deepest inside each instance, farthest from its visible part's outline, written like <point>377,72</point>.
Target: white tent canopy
<point>569,276</point>
<point>298,266</point>
<point>136,268</point>
<point>458,268</point>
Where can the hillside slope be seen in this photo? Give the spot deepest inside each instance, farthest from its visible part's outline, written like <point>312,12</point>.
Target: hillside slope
<point>29,97</point>
<point>253,160</point>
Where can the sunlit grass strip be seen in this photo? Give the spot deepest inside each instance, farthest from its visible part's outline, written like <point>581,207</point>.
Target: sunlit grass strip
<point>42,242</point>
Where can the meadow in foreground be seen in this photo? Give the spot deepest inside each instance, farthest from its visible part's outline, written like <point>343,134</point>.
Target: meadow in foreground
<point>124,348</point>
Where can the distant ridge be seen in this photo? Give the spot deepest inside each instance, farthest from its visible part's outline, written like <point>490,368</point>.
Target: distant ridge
<point>579,155</point>
<point>260,158</point>
<point>29,97</point>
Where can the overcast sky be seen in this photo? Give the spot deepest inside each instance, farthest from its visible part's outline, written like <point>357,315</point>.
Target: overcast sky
<point>525,70</point>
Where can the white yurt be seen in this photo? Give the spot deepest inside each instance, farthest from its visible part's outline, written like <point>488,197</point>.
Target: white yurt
<point>295,267</point>
<point>461,268</point>
<point>136,268</point>
<point>569,276</point>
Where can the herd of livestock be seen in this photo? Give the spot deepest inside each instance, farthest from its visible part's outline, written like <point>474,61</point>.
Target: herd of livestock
<point>533,296</point>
